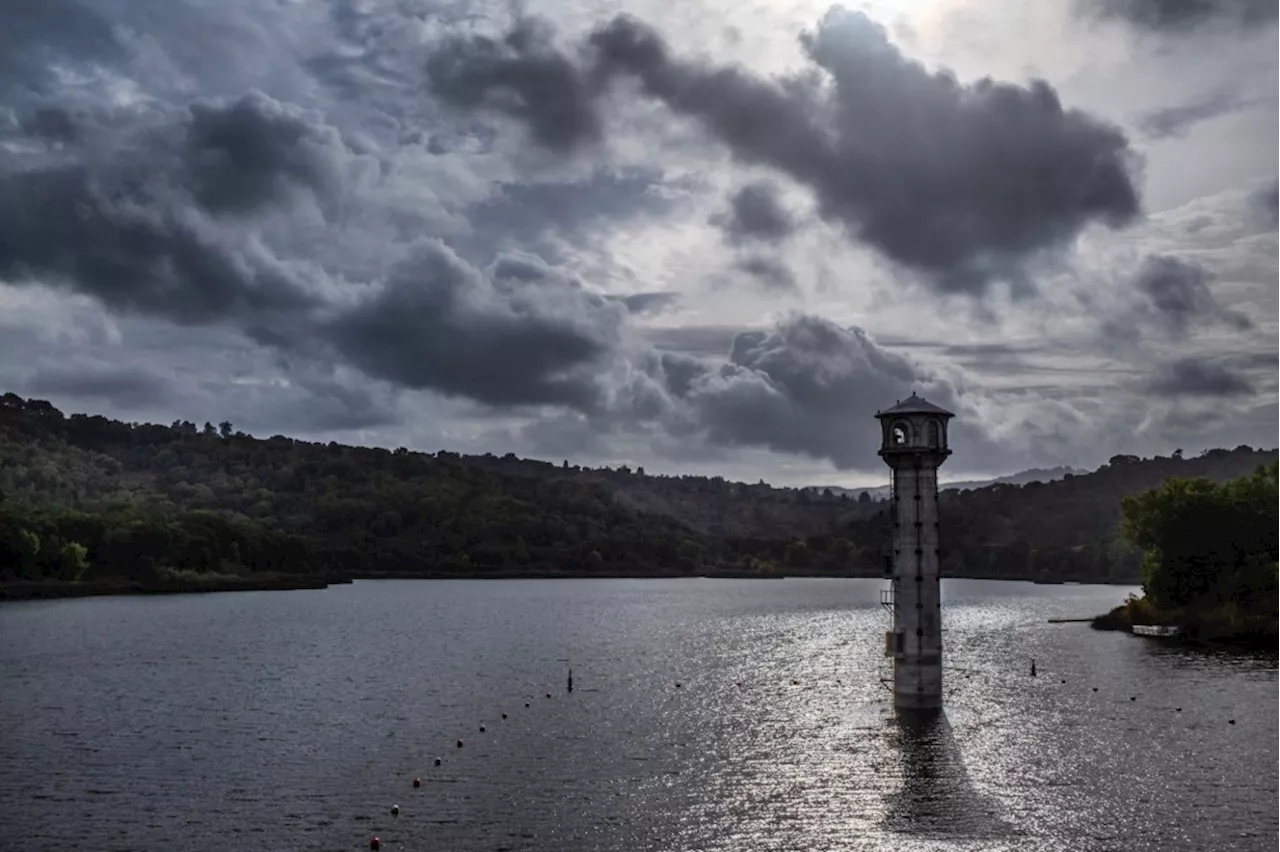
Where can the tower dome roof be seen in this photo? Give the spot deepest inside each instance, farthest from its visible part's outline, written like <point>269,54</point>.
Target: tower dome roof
<point>915,405</point>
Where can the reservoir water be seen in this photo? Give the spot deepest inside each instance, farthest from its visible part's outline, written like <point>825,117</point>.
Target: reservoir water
<point>295,720</point>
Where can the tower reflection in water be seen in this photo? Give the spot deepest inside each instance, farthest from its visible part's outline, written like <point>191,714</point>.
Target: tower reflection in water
<point>938,798</point>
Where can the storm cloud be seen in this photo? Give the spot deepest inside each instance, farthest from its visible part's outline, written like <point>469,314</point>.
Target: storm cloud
<point>808,387</point>
<point>522,75</point>
<point>962,183</point>
<point>315,218</point>
<point>1265,202</point>
<point>128,215</point>
<point>247,153</point>
<point>755,213</point>
<point>769,272</point>
<point>1198,377</point>
<point>1180,16</point>
<point>523,335</point>
<point>126,239</point>
<point>1179,297</point>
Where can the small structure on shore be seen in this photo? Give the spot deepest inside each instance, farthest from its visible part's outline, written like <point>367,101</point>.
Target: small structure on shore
<point>914,445</point>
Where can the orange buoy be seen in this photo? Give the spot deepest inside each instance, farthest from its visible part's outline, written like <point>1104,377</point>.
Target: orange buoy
<point>417,782</point>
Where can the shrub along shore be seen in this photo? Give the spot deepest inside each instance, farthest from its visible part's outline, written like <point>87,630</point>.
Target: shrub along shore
<point>1209,561</point>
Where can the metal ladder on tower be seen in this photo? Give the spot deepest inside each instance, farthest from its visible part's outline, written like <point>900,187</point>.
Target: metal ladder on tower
<point>888,596</point>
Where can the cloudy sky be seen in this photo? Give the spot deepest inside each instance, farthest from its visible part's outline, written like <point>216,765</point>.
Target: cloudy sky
<point>709,237</point>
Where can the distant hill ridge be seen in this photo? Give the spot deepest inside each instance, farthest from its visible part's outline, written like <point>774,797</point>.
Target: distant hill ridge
<point>1036,474</point>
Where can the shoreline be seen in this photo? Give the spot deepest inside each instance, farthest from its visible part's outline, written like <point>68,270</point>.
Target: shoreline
<point>55,590</point>
<point>27,590</point>
<point>1206,636</point>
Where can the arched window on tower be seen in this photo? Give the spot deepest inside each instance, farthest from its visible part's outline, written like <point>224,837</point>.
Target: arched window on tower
<point>935,434</point>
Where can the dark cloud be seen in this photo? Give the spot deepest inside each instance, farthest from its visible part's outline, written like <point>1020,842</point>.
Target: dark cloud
<point>328,405</point>
<point>525,212</point>
<point>1265,201</point>
<point>959,182</point>
<point>128,226</point>
<point>755,214</point>
<point>123,238</point>
<point>1175,121</point>
<point>127,387</point>
<point>962,183</point>
<point>807,387</point>
<point>650,303</point>
<point>1198,377</point>
<point>437,324</point>
<point>1178,293</point>
<point>38,38</point>
<point>770,272</point>
<point>51,123</point>
<point>244,154</point>
<point>1180,16</point>
<point>524,76</point>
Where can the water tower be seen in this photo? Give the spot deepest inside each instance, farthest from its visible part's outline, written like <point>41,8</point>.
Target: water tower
<point>914,444</point>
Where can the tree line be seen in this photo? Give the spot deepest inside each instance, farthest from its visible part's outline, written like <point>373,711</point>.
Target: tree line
<point>89,498</point>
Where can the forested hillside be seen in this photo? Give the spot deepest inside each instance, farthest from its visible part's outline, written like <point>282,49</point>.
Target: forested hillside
<point>85,497</point>
<point>1068,529</point>
<point>88,498</point>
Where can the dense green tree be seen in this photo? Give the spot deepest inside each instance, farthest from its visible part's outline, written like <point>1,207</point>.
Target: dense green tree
<point>1207,543</point>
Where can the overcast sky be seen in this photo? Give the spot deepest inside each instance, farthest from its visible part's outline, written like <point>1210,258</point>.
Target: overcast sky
<point>709,237</point>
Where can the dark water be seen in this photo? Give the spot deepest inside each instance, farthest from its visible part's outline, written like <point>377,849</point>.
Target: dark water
<point>294,720</point>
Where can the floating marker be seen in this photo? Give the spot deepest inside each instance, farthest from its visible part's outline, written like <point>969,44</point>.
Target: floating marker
<point>1064,680</point>
<point>395,810</point>
<point>438,759</point>
<point>1231,721</point>
<point>417,782</point>
<point>482,729</point>
<point>504,715</point>
<point>548,694</point>
<point>459,743</point>
<point>1177,709</point>
<point>677,684</point>
<point>1095,689</point>
<point>375,843</point>
<point>526,704</point>
<point>1133,698</point>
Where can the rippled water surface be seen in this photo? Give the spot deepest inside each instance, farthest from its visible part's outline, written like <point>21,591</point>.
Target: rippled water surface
<point>294,720</point>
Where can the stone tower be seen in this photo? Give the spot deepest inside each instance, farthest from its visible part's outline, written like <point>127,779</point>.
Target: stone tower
<point>914,444</point>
